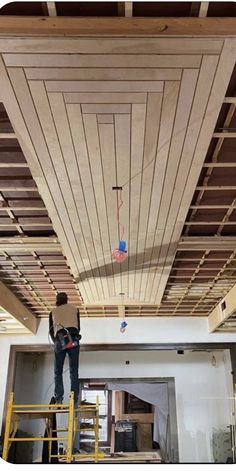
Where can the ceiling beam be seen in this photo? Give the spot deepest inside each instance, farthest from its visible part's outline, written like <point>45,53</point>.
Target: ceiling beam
<point>203,9</point>
<point>230,99</point>
<point>216,187</point>
<point>128,9</point>
<point>224,134</point>
<point>211,206</point>
<point>211,223</point>
<point>118,26</point>
<point>223,243</point>
<point>52,10</point>
<point>26,244</point>
<point>7,135</point>
<point>219,164</point>
<point>10,303</point>
<point>225,309</point>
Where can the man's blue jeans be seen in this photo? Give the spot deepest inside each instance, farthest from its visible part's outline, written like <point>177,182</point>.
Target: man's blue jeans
<point>59,358</point>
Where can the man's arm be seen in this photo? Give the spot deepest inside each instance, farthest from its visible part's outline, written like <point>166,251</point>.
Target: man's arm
<point>51,329</point>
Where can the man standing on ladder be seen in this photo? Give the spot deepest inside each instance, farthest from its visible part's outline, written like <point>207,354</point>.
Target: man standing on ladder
<point>64,329</point>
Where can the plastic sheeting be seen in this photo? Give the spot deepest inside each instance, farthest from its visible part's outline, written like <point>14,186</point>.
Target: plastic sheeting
<point>157,395</point>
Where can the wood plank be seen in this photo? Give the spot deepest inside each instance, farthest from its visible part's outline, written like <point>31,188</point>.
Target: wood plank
<point>159,156</point>
<point>52,10</point>
<point>108,155</point>
<point>167,167</point>
<point>230,99</point>
<point>122,140</point>
<point>102,73</point>
<point>105,97</point>
<point>8,97</point>
<point>16,308</point>
<point>139,418</point>
<point>203,9</point>
<point>137,146</point>
<point>154,110</point>
<point>107,108</point>
<point>145,45</point>
<point>174,224</point>
<point>105,118</point>
<point>118,26</point>
<point>54,167</point>
<point>220,79</point>
<point>103,86</point>
<point>224,134</point>
<point>8,135</point>
<point>219,164</point>
<point>128,9</point>
<point>82,154</point>
<point>93,145</point>
<point>81,215</point>
<point>216,187</point>
<point>39,142</point>
<point>135,60</point>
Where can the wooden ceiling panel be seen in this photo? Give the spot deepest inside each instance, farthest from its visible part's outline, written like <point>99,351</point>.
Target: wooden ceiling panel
<point>135,113</point>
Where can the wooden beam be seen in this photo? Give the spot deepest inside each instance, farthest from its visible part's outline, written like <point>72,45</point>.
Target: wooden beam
<point>205,223</point>
<point>224,134</point>
<point>7,135</point>
<point>118,26</point>
<point>211,206</point>
<point>230,99</point>
<point>223,310</point>
<point>216,187</point>
<point>13,165</point>
<point>128,9</point>
<point>52,10</point>
<point>10,303</point>
<point>223,243</point>
<point>219,164</point>
<point>203,9</point>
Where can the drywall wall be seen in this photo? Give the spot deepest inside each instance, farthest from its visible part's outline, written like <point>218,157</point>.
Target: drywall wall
<point>139,330</point>
<point>203,389</point>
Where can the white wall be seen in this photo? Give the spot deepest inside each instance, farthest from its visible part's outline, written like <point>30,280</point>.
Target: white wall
<point>202,390</point>
<point>144,330</point>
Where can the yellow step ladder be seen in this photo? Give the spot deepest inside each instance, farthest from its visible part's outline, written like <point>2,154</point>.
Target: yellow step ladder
<point>16,412</point>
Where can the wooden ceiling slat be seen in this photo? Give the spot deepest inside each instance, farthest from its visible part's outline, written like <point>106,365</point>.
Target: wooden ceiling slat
<point>102,242</point>
<point>79,212</point>
<point>79,162</point>
<point>82,153</point>
<point>123,155</point>
<point>103,60</point>
<point>139,119</point>
<point>108,156</point>
<point>146,248</point>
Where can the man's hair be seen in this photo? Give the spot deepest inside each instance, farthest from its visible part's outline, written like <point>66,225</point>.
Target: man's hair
<point>61,298</point>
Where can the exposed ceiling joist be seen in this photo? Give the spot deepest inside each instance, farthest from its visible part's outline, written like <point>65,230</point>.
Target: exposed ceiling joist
<point>118,26</point>
<point>26,244</point>
<point>203,9</point>
<point>10,303</point>
<point>224,135</point>
<point>221,243</point>
<point>223,311</point>
<point>52,11</point>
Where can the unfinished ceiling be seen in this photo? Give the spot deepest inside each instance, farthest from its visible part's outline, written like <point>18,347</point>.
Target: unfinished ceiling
<point>152,115</point>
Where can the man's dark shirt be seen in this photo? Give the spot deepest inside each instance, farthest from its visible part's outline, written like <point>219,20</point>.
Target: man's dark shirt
<point>73,331</point>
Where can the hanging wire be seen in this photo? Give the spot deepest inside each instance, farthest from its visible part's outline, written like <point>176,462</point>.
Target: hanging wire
<point>185,128</point>
<point>121,227</point>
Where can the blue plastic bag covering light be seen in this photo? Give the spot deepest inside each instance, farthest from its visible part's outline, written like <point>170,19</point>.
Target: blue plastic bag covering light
<point>122,246</point>
<point>123,325</point>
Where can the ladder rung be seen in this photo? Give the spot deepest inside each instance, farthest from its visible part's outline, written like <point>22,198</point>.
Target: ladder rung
<point>38,439</point>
